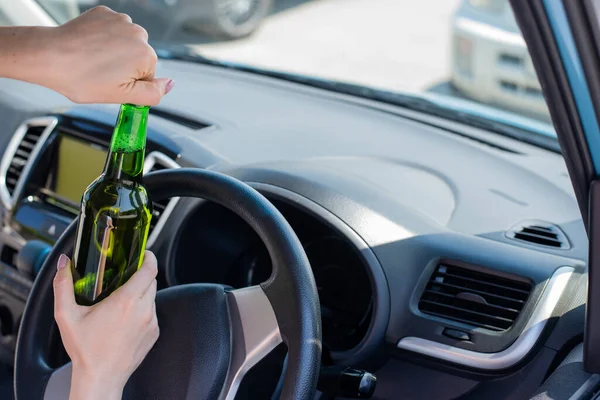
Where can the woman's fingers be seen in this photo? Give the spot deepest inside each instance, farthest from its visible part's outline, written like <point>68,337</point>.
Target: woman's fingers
<point>64,295</point>
<point>149,295</point>
<point>141,280</point>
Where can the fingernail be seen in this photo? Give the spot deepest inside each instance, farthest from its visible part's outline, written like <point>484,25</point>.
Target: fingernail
<point>169,86</point>
<point>62,262</point>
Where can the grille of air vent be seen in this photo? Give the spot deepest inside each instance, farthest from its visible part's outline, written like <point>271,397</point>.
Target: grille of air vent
<point>156,162</point>
<point>473,297</point>
<point>539,233</point>
<point>22,155</point>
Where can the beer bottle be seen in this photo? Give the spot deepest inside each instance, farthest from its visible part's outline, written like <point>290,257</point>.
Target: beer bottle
<point>115,214</point>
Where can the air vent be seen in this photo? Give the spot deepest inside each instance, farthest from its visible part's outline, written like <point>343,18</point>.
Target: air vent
<point>19,152</point>
<point>156,161</point>
<point>178,118</point>
<point>539,233</point>
<point>476,298</point>
<point>21,156</point>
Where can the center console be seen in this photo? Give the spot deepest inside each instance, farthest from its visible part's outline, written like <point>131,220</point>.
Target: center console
<point>44,170</point>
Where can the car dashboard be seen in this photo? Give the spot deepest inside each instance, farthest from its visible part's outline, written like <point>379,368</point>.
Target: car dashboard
<point>441,252</point>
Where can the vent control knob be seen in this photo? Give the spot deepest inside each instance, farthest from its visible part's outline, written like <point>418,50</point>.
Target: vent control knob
<point>456,334</point>
<point>32,257</point>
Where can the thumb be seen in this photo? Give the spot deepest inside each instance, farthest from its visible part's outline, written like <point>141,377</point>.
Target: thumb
<point>64,295</point>
<point>149,93</point>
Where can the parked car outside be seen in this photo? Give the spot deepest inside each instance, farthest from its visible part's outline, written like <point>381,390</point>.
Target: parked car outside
<point>223,19</point>
<point>490,61</point>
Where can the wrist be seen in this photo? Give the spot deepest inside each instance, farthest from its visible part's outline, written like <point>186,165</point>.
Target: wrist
<point>85,386</point>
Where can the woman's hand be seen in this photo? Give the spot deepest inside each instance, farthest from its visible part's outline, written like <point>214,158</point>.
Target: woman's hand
<point>102,57</point>
<point>98,57</point>
<point>109,340</point>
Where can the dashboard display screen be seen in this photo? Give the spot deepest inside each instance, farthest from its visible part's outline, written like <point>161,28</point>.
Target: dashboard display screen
<point>79,163</point>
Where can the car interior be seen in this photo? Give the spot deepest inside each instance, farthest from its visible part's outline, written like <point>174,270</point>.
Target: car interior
<point>369,248</point>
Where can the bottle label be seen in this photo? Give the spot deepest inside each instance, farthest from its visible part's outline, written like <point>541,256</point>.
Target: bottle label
<point>103,238</point>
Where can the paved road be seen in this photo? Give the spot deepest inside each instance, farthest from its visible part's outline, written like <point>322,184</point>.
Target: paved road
<point>394,44</point>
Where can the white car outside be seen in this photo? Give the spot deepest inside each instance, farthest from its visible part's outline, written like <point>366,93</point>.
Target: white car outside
<point>490,61</point>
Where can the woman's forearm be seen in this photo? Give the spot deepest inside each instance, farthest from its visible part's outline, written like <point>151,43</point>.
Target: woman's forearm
<point>25,53</point>
<point>98,57</point>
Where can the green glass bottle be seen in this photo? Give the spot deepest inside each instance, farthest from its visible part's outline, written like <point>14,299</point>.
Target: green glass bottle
<point>115,214</point>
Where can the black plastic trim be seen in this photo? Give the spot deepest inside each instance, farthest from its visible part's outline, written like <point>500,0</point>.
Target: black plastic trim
<point>533,22</point>
<point>592,322</point>
<point>178,118</point>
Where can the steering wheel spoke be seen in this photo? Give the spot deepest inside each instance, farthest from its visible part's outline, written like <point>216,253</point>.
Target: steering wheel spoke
<point>59,384</point>
<point>255,333</point>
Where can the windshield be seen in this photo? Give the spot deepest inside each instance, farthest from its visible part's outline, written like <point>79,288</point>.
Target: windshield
<point>466,56</point>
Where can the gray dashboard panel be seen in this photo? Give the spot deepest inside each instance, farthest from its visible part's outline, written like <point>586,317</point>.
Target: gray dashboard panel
<point>414,193</point>
<point>256,120</point>
<point>408,246</point>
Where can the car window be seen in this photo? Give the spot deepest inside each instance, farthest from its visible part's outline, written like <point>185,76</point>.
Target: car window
<point>466,51</point>
<point>4,19</point>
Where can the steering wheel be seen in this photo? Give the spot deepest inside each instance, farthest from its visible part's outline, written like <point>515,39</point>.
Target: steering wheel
<point>210,335</point>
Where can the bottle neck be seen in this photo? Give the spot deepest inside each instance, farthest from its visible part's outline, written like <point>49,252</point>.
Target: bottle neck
<point>128,144</point>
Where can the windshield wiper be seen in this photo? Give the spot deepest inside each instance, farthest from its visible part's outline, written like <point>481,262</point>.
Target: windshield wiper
<point>539,137</point>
